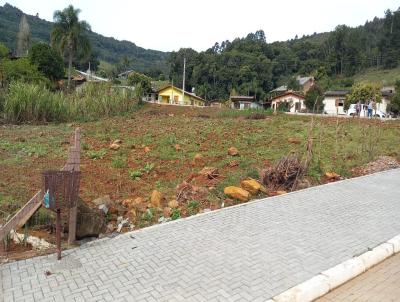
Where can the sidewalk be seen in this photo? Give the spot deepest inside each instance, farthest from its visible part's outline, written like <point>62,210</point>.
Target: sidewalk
<point>249,252</point>
<point>380,284</point>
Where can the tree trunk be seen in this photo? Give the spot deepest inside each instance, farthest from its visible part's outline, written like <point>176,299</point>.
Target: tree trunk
<point>69,69</point>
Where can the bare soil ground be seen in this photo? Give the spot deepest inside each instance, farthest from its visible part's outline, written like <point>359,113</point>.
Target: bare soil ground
<point>160,149</point>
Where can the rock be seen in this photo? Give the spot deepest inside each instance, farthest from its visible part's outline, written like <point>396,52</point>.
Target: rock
<point>90,222</point>
<point>232,151</point>
<point>114,146</point>
<point>155,199</point>
<point>233,163</point>
<point>123,223</point>
<point>117,142</point>
<point>102,200</point>
<point>281,192</point>
<point>147,149</point>
<point>237,193</point>
<point>178,147</point>
<point>104,208</point>
<point>332,175</point>
<point>210,172</point>
<point>167,212</point>
<point>251,185</point>
<point>173,204</point>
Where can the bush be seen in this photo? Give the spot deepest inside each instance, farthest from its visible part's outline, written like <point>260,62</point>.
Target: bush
<point>47,60</point>
<point>30,102</point>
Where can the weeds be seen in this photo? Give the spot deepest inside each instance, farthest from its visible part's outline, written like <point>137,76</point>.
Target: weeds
<point>99,154</point>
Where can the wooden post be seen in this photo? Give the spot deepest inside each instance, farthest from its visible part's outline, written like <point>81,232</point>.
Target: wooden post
<point>58,234</point>
<point>73,164</point>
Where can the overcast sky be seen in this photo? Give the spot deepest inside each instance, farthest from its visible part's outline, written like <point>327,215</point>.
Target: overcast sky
<point>171,24</point>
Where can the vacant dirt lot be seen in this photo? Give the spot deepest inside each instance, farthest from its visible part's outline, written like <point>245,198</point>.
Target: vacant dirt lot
<point>164,146</point>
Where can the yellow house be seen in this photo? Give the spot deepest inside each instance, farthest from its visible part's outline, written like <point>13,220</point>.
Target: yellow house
<point>174,95</point>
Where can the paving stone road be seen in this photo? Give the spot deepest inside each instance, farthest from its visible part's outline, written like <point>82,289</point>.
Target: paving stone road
<point>244,253</point>
<point>379,284</point>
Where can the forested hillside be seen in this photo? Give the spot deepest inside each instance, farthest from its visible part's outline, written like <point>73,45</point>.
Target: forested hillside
<point>251,66</point>
<point>104,48</point>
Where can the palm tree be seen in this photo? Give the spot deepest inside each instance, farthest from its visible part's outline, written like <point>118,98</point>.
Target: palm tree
<point>68,35</point>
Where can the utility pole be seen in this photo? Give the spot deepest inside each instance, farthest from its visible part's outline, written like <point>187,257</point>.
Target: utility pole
<point>183,81</point>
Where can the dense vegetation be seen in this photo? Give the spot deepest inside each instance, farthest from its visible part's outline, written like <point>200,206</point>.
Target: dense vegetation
<point>104,48</point>
<point>250,66</point>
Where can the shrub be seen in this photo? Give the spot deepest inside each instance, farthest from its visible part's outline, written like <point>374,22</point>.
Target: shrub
<point>30,102</point>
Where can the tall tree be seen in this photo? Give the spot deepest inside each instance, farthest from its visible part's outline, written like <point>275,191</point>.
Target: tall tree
<point>69,35</point>
<point>23,38</point>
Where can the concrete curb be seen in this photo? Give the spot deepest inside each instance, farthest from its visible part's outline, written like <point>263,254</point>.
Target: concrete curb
<point>328,280</point>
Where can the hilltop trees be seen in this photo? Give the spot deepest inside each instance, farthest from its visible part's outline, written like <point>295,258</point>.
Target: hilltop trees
<point>69,35</point>
<point>390,40</point>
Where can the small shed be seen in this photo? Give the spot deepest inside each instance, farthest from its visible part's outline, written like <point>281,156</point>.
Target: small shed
<point>244,102</point>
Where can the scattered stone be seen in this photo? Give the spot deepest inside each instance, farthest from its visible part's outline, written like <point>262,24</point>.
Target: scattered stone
<point>237,193</point>
<point>123,223</point>
<point>102,200</point>
<point>90,222</point>
<point>232,151</point>
<point>206,210</point>
<point>117,142</point>
<point>173,204</point>
<point>37,243</point>
<point>332,175</point>
<point>233,163</point>
<point>171,114</point>
<point>178,147</point>
<point>156,198</point>
<point>251,185</point>
<point>114,146</point>
<point>147,149</point>
<point>382,163</point>
<point>210,172</point>
<point>104,208</point>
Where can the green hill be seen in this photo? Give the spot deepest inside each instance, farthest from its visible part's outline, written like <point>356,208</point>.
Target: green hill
<point>107,49</point>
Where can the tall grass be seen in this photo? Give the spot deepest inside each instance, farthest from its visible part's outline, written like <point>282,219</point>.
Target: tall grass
<point>33,103</point>
<point>30,102</point>
<point>234,113</point>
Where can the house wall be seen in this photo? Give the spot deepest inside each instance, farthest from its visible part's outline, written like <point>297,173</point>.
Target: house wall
<point>382,106</point>
<point>174,96</point>
<point>246,105</point>
<point>330,105</point>
<point>292,99</point>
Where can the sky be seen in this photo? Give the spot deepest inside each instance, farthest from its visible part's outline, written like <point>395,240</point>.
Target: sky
<point>168,25</point>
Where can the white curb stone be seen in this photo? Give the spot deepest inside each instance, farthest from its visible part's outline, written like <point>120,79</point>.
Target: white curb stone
<point>396,244</point>
<point>377,255</point>
<point>343,272</point>
<point>306,291</point>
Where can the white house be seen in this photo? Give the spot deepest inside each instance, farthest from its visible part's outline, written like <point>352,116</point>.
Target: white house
<point>334,101</point>
<point>244,102</point>
<point>289,101</point>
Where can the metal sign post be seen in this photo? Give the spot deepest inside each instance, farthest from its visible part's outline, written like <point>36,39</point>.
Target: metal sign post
<point>61,191</point>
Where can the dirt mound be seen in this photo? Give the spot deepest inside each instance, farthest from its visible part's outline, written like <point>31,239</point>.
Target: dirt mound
<point>382,163</point>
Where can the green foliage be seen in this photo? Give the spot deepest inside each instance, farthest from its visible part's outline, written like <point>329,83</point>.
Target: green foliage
<point>363,93</point>
<point>119,162</point>
<point>97,154</point>
<point>20,70</point>
<point>3,51</point>
<point>313,99</point>
<point>29,102</point>
<point>47,60</point>
<point>135,174</point>
<point>193,207</point>
<point>394,105</point>
<point>176,214</point>
<point>138,79</point>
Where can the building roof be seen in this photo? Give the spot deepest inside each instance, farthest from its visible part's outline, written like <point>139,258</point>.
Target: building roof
<point>280,89</point>
<point>238,98</point>
<point>336,93</point>
<point>286,94</point>
<point>187,93</point>
<point>303,80</point>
